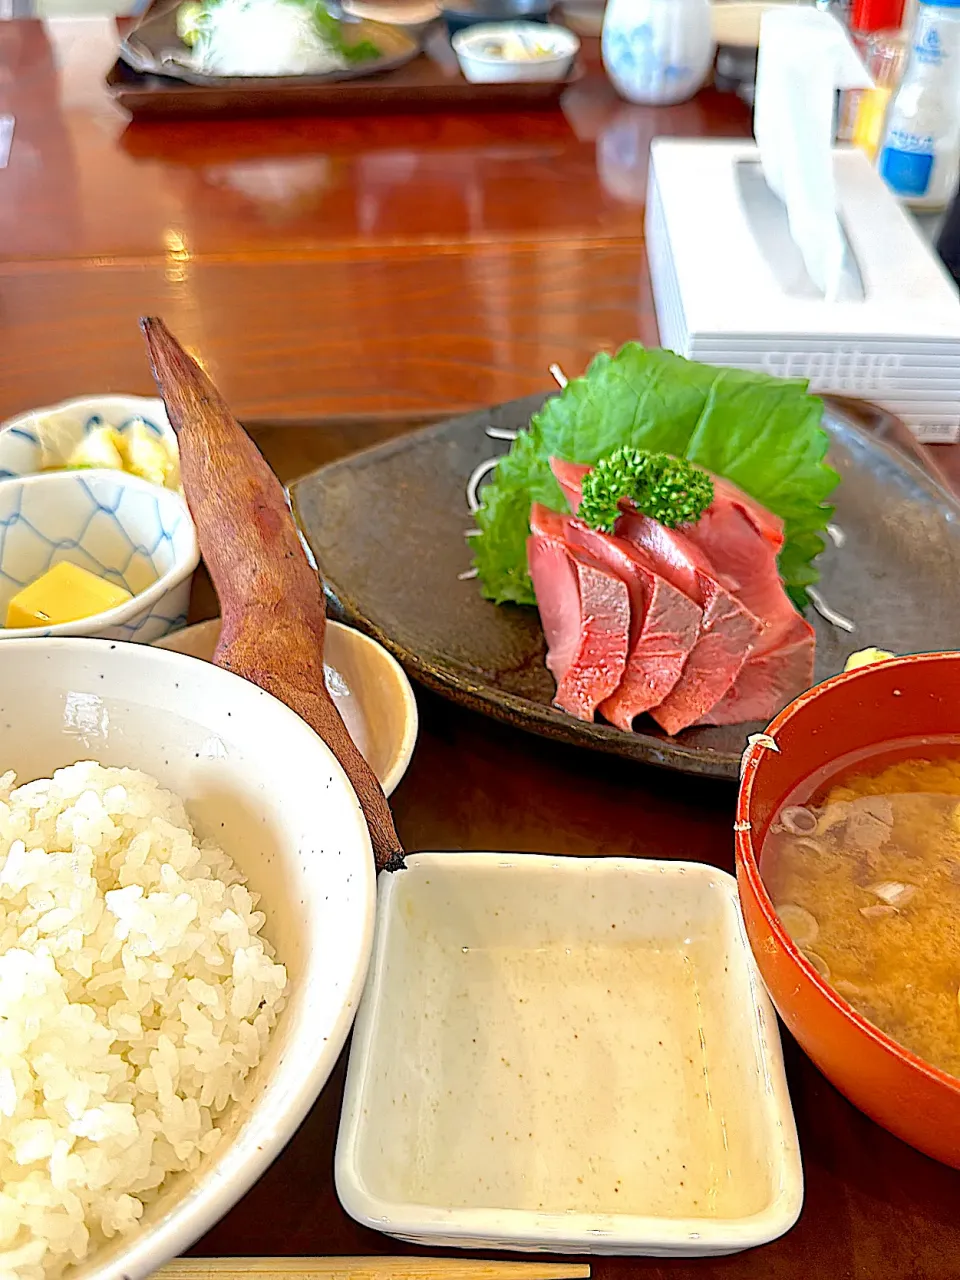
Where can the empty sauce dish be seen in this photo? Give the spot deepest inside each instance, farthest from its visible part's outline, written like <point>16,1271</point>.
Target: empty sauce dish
<point>568,1054</point>
<point>368,686</point>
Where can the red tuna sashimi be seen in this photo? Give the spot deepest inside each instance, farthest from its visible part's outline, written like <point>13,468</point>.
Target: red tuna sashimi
<point>768,681</point>
<point>744,558</point>
<point>728,630</point>
<point>664,625</point>
<point>768,525</point>
<point>781,664</point>
<point>585,613</point>
<point>740,540</point>
<point>569,476</point>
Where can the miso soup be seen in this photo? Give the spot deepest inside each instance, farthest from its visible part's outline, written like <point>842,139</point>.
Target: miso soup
<point>863,866</point>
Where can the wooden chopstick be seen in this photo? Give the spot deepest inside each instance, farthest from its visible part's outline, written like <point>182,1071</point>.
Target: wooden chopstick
<point>370,1269</point>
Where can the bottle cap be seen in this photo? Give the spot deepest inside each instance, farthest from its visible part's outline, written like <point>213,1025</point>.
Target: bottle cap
<point>877,15</point>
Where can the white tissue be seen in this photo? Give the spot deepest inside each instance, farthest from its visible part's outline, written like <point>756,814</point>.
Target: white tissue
<point>804,57</point>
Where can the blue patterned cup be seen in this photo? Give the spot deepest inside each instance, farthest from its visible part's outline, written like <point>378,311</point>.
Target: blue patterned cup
<point>124,529</point>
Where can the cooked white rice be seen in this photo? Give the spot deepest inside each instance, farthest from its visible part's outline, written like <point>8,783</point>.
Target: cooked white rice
<point>136,993</point>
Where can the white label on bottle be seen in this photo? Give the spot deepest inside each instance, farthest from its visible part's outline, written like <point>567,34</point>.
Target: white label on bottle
<point>918,144</point>
<point>928,47</point>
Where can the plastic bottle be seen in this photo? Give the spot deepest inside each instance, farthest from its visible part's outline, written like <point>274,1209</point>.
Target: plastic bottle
<point>874,24</point>
<point>920,156</point>
<point>658,51</point>
<point>884,56</point>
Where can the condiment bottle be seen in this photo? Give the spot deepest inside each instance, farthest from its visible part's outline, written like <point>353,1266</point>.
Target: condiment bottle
<point>874,27</point>
<point>920,156</point>
<point>657,51</point>
<point>885,57</point>
<point>869,16</point>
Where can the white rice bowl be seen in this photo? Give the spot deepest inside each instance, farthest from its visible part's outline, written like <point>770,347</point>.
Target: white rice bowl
<point>155,1054</point>
<point>135,996</point>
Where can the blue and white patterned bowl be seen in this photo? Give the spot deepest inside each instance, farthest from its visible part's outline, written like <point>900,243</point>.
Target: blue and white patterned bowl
<point>21,452</point>
<point>124,529</point>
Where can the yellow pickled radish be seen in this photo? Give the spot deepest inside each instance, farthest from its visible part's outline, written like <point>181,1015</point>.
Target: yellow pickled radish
<point>64,593</point>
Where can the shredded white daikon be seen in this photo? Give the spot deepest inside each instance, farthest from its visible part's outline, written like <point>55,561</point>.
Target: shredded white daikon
<point>263,38</point>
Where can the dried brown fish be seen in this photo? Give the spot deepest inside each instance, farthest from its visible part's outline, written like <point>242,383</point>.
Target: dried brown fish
<point>274,617</point>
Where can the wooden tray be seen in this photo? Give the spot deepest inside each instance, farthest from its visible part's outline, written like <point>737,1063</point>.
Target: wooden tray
<point>431,82</point>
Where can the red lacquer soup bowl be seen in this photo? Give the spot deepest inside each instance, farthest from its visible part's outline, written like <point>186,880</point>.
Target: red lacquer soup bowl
<point>906,698</point>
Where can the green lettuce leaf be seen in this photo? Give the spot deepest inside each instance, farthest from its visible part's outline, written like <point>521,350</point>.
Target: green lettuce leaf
<point>762,433</point>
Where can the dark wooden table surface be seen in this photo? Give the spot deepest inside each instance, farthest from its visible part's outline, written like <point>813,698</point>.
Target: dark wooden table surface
<point>344,280</point>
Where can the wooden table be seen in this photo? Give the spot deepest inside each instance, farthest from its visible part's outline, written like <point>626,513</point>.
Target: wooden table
<point>343,281</point>
<point>324,267</point>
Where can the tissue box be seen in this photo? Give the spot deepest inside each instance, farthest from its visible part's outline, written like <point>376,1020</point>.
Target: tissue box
<point>722,297</point>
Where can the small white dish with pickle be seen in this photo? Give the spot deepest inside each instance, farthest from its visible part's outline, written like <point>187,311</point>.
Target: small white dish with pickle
<point>501,52</point>
<point>122,433</point>
<point>93,553</point>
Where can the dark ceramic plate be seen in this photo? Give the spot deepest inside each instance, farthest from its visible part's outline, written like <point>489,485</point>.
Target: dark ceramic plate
<point>386,527</point>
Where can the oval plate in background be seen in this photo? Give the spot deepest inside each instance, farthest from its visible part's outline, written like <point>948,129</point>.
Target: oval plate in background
<point>153,47</point>
<point>387,529</point>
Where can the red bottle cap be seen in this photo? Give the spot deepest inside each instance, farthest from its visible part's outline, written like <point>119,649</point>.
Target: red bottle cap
<point>876,15</point>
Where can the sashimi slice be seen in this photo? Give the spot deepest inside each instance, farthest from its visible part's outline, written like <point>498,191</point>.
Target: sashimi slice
<point>768,681</point>
<point>586,624</point>
<point>726,562</point>
<point>558,599</point>
<point>768,525</point>
<point>744,557</point>
<point>728,630</point>
<point>569,476</point>
<point>664,625</point>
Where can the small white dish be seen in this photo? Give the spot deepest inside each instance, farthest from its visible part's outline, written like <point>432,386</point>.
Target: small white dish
<point>133,533</point>
<point>368,685</point>
<point>479,52</point>
<point>254,777</point>
<point>66,423</point>
<point>566,1055</point>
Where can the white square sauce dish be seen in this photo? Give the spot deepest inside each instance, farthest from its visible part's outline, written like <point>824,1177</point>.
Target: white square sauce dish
<point>566,1054</point>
